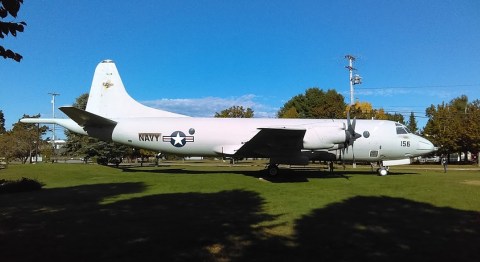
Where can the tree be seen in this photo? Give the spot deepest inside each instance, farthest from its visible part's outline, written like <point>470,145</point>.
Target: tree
<point>76,144</point>
<point>235,112</point>
<point>10,8</point>
<point>110,152</point>
<point>437,128</point>
<point>412,123</point>
<point>473,126</point>
<point>291,113</point>
<point>22,141</point>
<point>454,126</point>
<point>2,122</point>
<point>365,110</point>
<point>397,117</point>
<point>361,110</point>
<point>315,103</point>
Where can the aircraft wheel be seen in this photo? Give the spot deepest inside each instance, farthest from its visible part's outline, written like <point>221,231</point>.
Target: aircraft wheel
<point>382,171</point>
<point>272,170</point>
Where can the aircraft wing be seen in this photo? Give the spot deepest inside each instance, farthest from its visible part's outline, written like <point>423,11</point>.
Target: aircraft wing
<point>273,141</point>
<point>85,118</point>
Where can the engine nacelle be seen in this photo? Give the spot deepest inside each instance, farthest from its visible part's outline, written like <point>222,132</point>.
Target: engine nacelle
<point>324,136</point>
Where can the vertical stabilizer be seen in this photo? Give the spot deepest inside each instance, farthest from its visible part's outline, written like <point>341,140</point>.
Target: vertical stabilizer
<point>108,97</point>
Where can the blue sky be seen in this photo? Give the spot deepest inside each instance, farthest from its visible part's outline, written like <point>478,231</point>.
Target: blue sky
<point>199,57</point>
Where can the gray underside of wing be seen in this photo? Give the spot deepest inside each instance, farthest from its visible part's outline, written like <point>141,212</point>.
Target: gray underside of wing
<point>273,142</point>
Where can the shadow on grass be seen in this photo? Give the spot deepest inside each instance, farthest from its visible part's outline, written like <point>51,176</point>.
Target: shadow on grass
<point>387,229</point>
<point>69,224</point>
<point>286,175</point>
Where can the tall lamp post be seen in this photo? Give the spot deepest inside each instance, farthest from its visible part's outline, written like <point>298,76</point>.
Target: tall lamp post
<point>53,94</point>
<point>354,79</point>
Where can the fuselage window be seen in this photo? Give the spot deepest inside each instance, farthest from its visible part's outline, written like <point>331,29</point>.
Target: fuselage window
<point>401,129</point>
<point>366,134</point>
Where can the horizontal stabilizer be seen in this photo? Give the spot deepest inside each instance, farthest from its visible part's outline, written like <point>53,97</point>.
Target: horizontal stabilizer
<point>86,119</point>
<point>67,123</point>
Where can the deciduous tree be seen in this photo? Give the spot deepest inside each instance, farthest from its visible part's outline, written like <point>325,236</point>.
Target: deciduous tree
<point>454,126</point>
<point>315,103</point>
<point>235,112</point>
<point>365,110</point>
<point>10,8</point>
<point>22,141</point>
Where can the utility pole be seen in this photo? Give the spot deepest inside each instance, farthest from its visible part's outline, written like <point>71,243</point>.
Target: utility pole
<point>53,94</point>
<point>353,79</point>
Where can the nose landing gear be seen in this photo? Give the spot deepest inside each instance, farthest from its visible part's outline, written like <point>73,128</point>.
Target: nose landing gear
<point>383,171</point>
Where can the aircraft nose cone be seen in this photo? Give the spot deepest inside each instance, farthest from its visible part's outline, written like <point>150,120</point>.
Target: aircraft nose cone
<point>425,146</point>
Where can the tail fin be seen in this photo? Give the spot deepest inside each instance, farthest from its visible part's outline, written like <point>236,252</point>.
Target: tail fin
<point>108,97</point>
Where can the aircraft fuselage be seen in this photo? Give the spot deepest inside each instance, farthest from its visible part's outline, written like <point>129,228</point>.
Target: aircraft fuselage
<point>221,136</point>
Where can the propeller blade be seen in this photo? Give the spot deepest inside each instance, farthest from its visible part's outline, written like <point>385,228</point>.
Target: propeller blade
<point>350,134</point>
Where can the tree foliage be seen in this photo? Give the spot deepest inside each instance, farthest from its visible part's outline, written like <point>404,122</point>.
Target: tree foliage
<point>10,8</point>
<point>22,141</point>
<point>235,112</point>
<point>454,126</point>
<point>315,103</point>
<point>76,144</point>
<point>365,110</point>
<point>412,123</point>
<point>2,123</point>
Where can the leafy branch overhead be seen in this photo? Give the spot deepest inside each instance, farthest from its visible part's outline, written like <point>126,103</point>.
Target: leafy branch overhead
<point>10,8</point>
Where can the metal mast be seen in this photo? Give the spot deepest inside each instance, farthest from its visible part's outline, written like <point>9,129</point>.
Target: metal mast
<point>53,94</point>
<point>353,79</point>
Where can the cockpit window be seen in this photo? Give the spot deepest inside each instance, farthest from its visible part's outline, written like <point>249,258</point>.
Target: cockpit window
<point>401,129</point>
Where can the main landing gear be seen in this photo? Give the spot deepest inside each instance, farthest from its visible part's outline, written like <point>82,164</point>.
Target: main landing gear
<point>272,169</point>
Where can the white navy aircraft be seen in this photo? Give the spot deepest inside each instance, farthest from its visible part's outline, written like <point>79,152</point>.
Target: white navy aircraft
<point>112,115</point>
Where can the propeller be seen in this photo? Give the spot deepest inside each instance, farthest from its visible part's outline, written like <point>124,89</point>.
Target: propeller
<point>350,135</point>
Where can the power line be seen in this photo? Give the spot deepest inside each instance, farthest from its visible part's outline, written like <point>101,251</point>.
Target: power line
<point>418,87</point>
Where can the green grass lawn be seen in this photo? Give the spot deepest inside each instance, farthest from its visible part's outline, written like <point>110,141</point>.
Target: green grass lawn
<point>223,213</point>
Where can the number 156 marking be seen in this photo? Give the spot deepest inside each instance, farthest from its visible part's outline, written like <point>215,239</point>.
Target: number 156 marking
<point>405,143</point>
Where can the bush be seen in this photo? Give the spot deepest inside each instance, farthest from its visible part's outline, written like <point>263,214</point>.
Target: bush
<point>21,185</point>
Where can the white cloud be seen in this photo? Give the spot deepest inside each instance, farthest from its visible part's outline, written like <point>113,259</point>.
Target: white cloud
<point>207,106</point>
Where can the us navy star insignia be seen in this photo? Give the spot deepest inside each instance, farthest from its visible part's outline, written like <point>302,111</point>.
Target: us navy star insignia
<point>178,139</point>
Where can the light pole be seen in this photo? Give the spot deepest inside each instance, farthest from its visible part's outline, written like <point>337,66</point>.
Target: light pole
<point>53,94</point>
<point>354,79</point>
